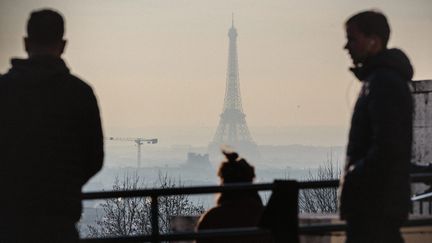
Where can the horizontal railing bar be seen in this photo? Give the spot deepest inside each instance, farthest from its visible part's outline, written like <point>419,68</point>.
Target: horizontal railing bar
<point>415,178</point>
<point>318,184</point>
<point>319,229</point>
<point>177,191</point>
<point>422,197</point>
<point>202,189</point>
<point>421,177</point>
<point>418,222</point>
<point>203,234</point>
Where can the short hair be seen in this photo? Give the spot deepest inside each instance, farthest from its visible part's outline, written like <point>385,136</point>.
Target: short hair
<point>371,23</point>
<point>45,27</point>
<point>235,169</point>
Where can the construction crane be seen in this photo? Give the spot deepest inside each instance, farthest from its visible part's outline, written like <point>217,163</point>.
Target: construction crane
<point>138,141</point>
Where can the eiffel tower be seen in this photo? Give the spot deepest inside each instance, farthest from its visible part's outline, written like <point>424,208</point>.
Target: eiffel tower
<point>232,129</point>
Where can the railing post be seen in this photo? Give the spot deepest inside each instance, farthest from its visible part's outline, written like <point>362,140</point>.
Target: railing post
<point>154,217</point>
<point>421,206</point>
<point>281,213</point>
<point>430,207</point>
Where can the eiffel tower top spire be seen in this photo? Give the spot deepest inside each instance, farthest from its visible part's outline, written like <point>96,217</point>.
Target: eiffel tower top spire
<point>232,90</point>
<point>232,21</point>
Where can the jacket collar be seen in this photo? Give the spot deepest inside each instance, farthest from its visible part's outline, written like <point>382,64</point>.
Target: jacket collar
<point>38,67</point>
<point>393,59</point>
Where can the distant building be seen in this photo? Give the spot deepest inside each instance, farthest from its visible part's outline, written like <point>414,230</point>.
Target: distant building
<point>198,160</point>
<point>422,136</point>
<point>422,127</point>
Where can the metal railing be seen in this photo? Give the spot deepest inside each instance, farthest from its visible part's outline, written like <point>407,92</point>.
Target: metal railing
<point>423,199</point>
<point>153,194</point>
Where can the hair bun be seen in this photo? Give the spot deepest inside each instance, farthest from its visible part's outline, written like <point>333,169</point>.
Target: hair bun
<point>231,156</point>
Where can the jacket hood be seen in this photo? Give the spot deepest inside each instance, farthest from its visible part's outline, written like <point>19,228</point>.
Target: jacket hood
<point>394,59</point>
<point>38,68</point>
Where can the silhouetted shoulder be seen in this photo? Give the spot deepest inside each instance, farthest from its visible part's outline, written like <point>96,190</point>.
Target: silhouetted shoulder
<point>80,84</point>
<point>77,89</point>
<point>3,80</point>
<point>210,219</point>
<point>388,83</point>
<point>2,77</point>
<point>388,75</point>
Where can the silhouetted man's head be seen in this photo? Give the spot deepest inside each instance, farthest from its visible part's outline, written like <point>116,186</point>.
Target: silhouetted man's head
<point>367,34</point>
<point>45,29</point>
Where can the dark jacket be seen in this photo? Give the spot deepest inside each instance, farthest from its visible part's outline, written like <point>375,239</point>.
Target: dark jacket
<point>51,141</point>
<point>234,211</point>
<point>376,181</point>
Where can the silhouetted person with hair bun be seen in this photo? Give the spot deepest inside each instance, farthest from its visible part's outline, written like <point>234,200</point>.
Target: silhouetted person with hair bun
<point>234,209</point>
<point>51,139</point>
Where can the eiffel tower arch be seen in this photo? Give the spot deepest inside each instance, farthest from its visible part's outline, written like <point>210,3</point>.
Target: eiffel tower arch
<point>232,129</point>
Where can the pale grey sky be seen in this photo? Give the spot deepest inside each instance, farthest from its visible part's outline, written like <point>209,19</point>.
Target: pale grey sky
<point>163,63</point>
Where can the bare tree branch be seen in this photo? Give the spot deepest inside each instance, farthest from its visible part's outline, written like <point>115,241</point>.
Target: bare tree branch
<point>322,200</point>
<point>131,216</point>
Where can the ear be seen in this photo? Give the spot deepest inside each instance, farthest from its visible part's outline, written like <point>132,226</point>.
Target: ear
<point>63,46</point>
<point>376,43</point>
<point>27,44</point>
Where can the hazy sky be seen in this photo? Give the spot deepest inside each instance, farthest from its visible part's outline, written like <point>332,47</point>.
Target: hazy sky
<point>163,63</point>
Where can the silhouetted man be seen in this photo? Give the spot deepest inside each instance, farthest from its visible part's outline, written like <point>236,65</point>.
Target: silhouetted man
<point>375,195</point>
<point>51,139</point>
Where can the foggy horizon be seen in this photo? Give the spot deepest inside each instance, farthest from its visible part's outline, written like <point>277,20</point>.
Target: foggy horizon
<point>201,136</point>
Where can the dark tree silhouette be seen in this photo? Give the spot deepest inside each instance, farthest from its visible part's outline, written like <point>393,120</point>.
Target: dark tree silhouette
<point>131,216</point>
<point>322,200</point>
